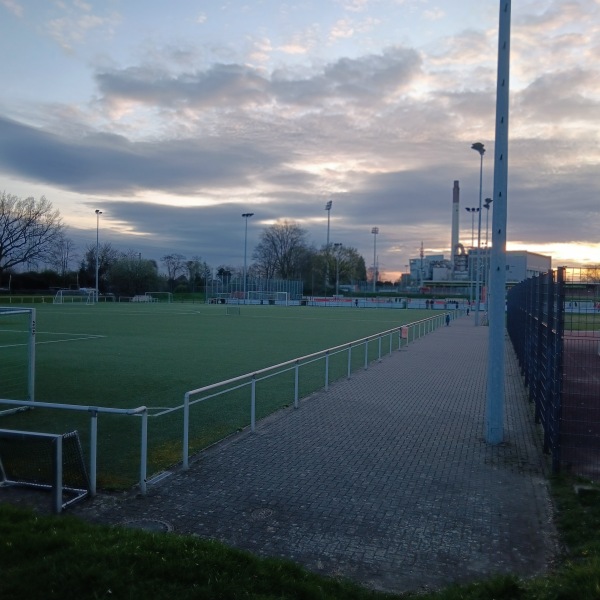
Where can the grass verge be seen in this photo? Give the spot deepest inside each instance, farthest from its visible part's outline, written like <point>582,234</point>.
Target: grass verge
<point>57,557</point>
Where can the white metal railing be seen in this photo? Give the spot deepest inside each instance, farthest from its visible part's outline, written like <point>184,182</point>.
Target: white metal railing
<point>94,412</point>
<point>403,333</point>
<point>407,332</point>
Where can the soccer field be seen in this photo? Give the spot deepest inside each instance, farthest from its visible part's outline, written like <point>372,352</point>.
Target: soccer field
<point>129,355</point>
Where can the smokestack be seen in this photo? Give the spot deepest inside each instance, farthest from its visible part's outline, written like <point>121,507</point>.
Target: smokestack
<point>455,211</point>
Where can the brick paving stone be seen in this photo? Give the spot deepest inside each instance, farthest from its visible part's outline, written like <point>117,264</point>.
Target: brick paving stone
<point>385,479</point>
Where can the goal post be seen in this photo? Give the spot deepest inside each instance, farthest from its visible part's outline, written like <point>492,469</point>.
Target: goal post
<point>160,296</point>
<point>81,296</point>
<point>17,355</point>
<point>45,461</point>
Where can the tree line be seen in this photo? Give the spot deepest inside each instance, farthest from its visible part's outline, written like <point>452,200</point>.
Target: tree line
<point>32,233</point>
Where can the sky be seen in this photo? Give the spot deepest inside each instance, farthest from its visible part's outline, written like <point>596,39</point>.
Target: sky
<point>175,117</point>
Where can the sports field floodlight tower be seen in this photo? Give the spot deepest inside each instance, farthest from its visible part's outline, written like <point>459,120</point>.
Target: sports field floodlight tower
<point>246,216</point>
<point>375,231</point>
<point>478,147</point>
<point>98,213</point>
<point>328,209</point>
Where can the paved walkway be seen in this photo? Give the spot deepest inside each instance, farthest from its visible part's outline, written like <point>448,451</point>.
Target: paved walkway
<point>385,479</point>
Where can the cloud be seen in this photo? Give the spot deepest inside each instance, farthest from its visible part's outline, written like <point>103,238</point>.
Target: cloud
<point>76,22</point>
<point>13,7</point>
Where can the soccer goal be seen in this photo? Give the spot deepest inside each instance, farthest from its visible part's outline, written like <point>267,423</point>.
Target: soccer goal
<point>233,309</point>
<point>17,355</point>
<point>160,296</point>
<point>82,296</point>
<point>45,461</point>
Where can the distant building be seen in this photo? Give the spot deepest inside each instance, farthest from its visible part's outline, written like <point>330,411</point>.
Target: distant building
<point>520,265</point>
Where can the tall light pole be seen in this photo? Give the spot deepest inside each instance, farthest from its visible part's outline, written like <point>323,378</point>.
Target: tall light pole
<point>337,268</point>
<point>471,210</point>
<point>246,217</point>
<point>486,274</point>
<point>328,209</point>
<point>98,213</point>
<point>375,231</point>
<point>478,147</point>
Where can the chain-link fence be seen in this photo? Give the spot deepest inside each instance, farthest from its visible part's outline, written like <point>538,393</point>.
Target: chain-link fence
<point>553,321</point>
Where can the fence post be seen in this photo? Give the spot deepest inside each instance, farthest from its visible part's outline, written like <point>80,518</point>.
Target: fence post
<point>253,405</point>
<point>57,468</point>
<point>349,360</point>
<point>93,450</point>
<point>296,383</point>
<point>327,370</point>
<point>144,453</point>
<point>186,432</point>
<point>379,344</point>
<point>366,353</point>
<point>391,341</point>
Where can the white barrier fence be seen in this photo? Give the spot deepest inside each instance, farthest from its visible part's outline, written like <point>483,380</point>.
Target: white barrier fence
<point>395,338</point>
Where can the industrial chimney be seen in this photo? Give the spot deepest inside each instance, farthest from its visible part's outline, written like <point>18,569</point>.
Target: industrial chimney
<point>455,211</point>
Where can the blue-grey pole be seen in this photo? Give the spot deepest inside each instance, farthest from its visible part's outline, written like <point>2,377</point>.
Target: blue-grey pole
<point>494,413</point>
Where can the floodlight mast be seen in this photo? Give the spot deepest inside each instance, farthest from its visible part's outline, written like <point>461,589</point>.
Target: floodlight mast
<point>98,213</point>
<point>478,147</point>
<point>328,209</point>
<point>375,231</point>
<point>246,216</point>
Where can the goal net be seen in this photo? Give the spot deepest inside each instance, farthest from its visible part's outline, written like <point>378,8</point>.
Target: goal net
<point>45,461</point>
<point>82,296</point>
<point>17,354</point>
<point>160,296</point>
<point>257,297</point>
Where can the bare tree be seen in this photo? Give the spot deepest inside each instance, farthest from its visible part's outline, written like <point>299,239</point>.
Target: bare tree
<point>281,250</point>
<point>28,229</point>
<point>61,254</point>
<point>196,271</point>
<point>175,265</point>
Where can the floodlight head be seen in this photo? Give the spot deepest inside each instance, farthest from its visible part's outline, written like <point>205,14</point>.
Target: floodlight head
<point>375,230</point>
<point>98,212</point>
<point>478,147</point>
<point>487,203</point>
<point>248,215</point>
<point>328,205</point>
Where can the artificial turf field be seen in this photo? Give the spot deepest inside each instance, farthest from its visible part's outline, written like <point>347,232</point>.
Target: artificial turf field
<point>129,355</point>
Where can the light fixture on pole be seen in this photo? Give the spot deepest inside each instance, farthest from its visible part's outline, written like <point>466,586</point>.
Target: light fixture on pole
<point>337,247</point>
<point>478,147</point>
<point>246,217</point>
<point>472,210</point>
<point>375,231</point>
<point>98,213</point>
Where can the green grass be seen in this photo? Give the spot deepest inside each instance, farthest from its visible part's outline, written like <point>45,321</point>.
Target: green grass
<point>58,557</point>
<point>129,355</point>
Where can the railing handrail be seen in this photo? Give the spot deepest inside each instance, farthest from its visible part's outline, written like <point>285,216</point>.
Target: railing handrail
<point>306,357</point>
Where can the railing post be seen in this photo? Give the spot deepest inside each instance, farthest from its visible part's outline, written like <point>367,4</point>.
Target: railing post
<point>93,451</point>
<point>379,346</point>
<point>144,453</point>
<point>327,370</point>
<point>366,353</point>
<point>57,465</point>
<point>253,405</point>
<point>391,341</point>
<point>349,360</point>
<point>186,432</point>
<point>296,383</point>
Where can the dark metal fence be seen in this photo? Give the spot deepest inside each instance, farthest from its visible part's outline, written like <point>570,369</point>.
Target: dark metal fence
<point>553,321</point>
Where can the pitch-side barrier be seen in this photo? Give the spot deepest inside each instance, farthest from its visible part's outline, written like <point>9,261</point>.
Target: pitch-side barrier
<point>403,333</point>
<point>94,411</point>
